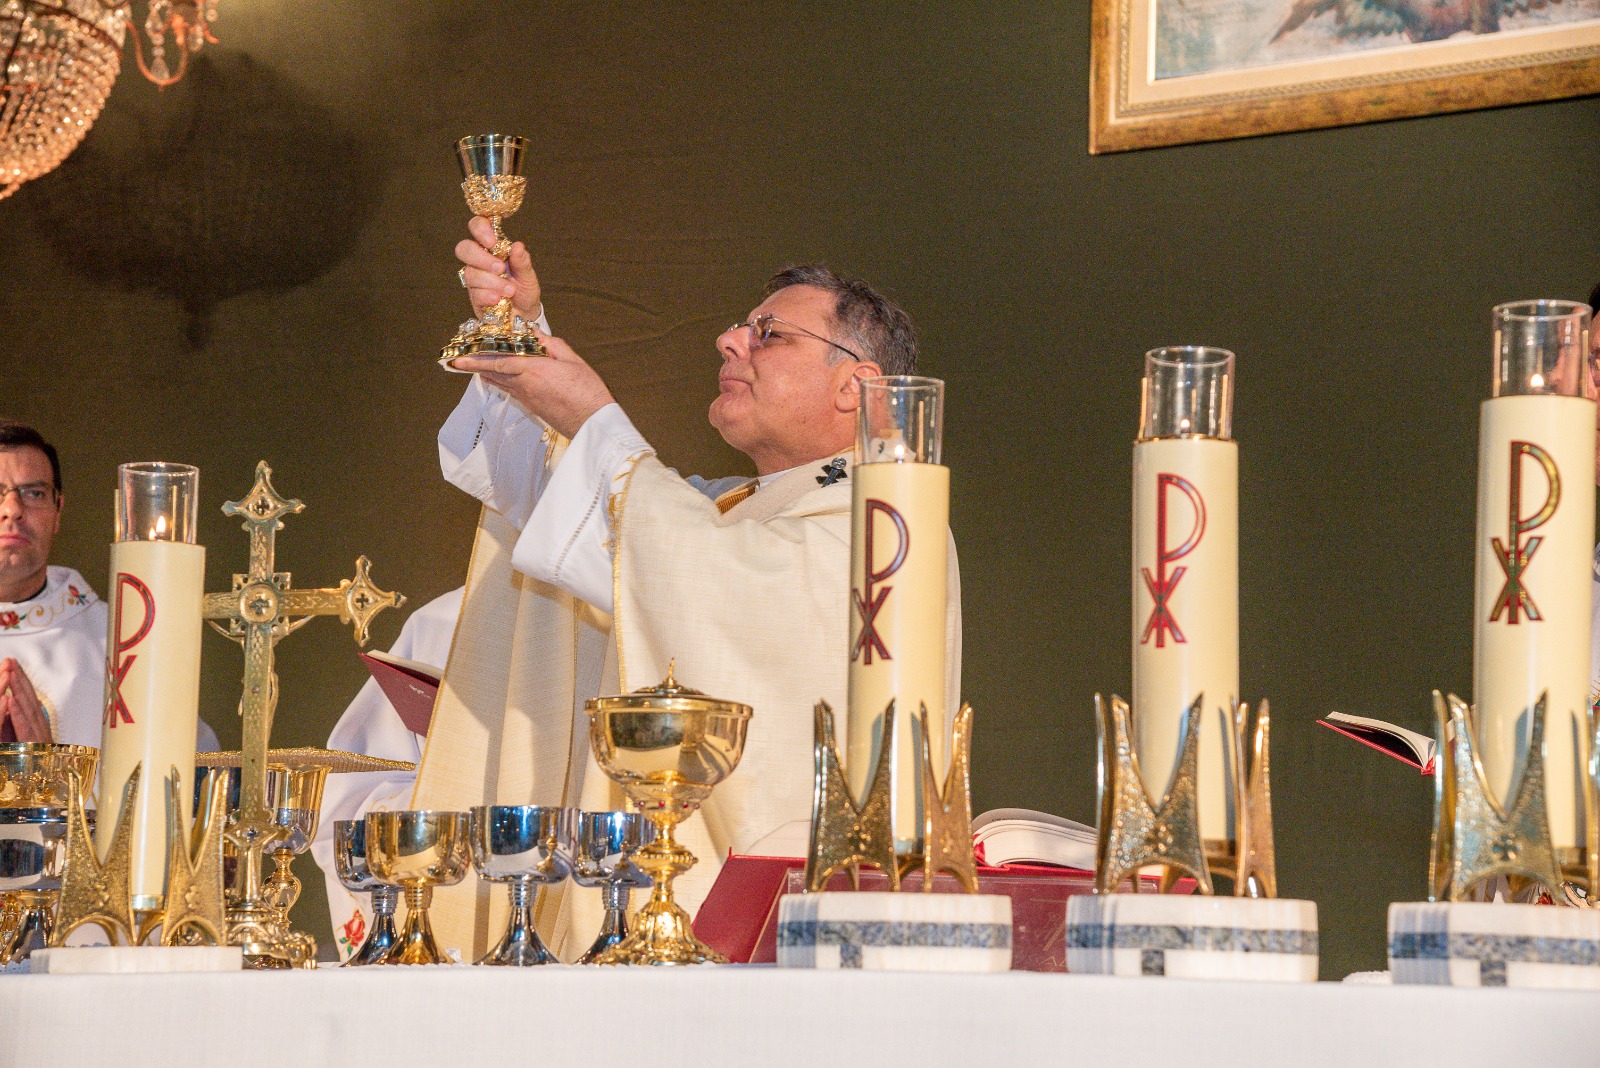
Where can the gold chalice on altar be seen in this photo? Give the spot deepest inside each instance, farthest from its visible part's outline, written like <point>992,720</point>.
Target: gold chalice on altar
<point>666,746</point>
<point>417,851</point>
<point>491,168</point>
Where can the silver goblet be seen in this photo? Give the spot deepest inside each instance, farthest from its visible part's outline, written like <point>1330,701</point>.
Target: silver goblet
<point>350,861</point>
<point>604,843</point>
<point>33,852</point>
<point>522,846</point>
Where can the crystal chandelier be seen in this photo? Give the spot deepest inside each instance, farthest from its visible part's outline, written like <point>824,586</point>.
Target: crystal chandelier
<point>61,58</point>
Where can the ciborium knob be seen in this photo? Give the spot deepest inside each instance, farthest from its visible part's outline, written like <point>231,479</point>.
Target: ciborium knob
<point>667,746</point>
<point>417,851</point>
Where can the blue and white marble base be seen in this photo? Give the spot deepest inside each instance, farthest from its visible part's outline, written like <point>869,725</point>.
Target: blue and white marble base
<point>1192,937</point>
<point>908,932</point>
<point>1469,943</point>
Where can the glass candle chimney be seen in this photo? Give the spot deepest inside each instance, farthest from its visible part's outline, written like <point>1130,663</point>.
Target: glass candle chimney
<point>1188,393</point>
<point>158,502</point>
<point>902,420</point>
<point>1541,348</point>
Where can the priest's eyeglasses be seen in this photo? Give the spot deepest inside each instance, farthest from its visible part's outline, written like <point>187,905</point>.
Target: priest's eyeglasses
<point>762,330</point>
<point>30,494</point>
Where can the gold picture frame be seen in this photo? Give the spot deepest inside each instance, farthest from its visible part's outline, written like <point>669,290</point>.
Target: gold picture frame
<point>1157,78</point>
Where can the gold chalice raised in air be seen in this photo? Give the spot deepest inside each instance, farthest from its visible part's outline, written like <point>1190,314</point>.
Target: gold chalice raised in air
<point>491,169</point>
<point>417,851</point>
<point>666,746</point>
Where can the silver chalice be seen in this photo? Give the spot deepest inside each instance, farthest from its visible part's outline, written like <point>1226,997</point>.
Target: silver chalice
<point>523,846</point>
<point>350,861</point>
<point>604,844</point>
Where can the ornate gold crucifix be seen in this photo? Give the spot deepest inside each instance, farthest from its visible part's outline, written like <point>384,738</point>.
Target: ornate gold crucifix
<point>259,611</point>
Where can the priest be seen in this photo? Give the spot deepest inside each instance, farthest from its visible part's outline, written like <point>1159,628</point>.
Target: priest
<point>52,626</point>
<point>595,565</point>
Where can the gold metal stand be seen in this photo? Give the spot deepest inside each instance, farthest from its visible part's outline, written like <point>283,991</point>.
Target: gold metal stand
<point>845,835</point>
<point>92,892</point>
<point>1134,832</point>
<point>259,611</point>
<point>1474,838</point>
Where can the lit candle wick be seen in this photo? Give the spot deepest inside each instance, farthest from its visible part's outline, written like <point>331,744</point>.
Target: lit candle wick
<point>159,531</point>
<point>1537,381</point>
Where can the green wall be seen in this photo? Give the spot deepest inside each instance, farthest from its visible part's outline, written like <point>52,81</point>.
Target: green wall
<point>257,264</point>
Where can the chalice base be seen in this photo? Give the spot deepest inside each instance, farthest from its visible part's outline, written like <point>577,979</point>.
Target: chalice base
<point>492,335</point>
<point>32,929</point>
<point>381,938</point>
<point>252,929</point>
<point>1475,943</point>
<point>613,932</point>
<point>662,934</point>
<point>417,944</point>
<point>1192,937</point>
<point>520,947</point>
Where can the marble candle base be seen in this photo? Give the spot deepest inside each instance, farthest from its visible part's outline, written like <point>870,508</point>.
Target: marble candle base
<point>1468,943</point>
<point>906,932</point>
<point>1193,937</point>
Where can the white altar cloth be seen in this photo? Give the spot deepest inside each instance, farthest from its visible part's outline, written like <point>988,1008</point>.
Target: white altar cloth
<point>746,1016</point>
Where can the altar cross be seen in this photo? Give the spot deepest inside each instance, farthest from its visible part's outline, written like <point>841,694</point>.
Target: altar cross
<point>260,610</point>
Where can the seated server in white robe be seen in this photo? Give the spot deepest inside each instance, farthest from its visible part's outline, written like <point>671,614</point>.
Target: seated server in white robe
<point>52,625</point>
<point>595,565</point>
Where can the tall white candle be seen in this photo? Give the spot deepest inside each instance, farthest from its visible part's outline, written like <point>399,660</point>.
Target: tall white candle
<point>153,662</point>
<point>1186,571</point>
<point>1535,552</point>
<point>900,512</point>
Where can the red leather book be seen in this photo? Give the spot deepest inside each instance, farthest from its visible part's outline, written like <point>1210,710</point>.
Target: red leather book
<point>410,687</point>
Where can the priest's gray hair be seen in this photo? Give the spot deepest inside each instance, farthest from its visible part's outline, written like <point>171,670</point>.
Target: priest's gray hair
<point>866,321</point>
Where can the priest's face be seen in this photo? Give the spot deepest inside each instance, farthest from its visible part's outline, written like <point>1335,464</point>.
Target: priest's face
<point>26,530</point>
<point>783,402</point>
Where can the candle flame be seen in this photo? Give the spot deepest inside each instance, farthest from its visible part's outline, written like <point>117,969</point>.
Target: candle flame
<point>160,531</point>
<point>1537,381</point>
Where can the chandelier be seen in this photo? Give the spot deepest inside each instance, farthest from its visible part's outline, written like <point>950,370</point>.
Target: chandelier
<point>60,59</point>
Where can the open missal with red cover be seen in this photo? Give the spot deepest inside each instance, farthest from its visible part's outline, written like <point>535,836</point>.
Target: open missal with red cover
<point>739,916</point>
<point>1408,747</point>
<point>409,685</point>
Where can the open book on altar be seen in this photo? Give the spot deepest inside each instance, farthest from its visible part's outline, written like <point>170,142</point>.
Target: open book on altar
<point>1409,747</point>
<point>409,685</point>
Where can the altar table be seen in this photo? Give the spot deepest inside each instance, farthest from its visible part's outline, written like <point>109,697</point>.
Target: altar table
<point>760,1015</point>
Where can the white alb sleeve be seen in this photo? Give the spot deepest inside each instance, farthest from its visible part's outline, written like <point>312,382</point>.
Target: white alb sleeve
<point>567,538</point>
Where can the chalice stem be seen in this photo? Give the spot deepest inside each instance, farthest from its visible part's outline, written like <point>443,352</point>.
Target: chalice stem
<point>520,946</point>
<point>502,244</point>
<point>382,937</point>
<point>417,944</point>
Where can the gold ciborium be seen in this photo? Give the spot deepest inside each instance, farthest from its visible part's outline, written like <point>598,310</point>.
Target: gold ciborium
<point>418,851</point>
<point>666,746</point>
<point>491,169</point>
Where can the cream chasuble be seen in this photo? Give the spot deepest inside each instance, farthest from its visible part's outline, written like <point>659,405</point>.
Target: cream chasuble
<point>754,606</point>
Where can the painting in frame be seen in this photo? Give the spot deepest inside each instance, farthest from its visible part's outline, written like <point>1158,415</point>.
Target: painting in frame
<point>1169,72</point>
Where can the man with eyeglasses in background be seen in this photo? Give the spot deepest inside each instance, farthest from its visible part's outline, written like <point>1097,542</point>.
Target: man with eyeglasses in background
<point>52,626</point>
<point>595,565</point>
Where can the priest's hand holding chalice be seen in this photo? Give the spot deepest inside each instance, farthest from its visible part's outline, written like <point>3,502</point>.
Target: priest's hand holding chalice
<point>497,273</point>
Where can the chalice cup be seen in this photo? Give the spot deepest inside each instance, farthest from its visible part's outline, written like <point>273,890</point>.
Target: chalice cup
<point>350,862</point>
<point>604,844</point>
<point>417,851</point>
<point>294,796</point>
<point>491,169</point>
<point>525,847</point>
<point>667,746</point>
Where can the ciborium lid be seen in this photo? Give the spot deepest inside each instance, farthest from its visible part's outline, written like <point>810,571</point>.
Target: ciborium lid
<point>669,695</point>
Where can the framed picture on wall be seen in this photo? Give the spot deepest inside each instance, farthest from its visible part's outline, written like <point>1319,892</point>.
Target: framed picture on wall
<point>1169,72</point>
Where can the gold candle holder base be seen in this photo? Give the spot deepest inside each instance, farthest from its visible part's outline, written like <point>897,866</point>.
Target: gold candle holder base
<point>846,834</point>
<point>1134,832</point>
